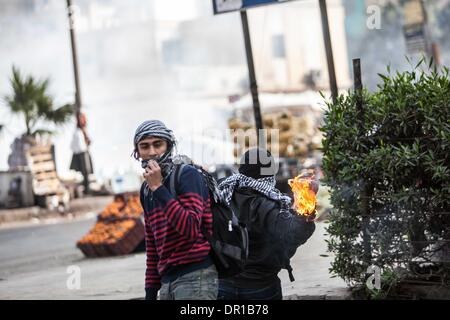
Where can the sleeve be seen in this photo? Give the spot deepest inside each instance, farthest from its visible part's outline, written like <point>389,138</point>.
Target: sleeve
<point>289,228</point>
<point>299,230</point>
<point>185,213</point>
<point>152,277</point>
<point>141,197</point>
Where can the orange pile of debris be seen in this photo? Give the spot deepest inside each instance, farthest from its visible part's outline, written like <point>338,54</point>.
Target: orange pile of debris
<point>119,228</point>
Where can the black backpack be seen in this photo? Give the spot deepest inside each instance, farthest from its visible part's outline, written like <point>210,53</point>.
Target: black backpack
<point>229,240</point>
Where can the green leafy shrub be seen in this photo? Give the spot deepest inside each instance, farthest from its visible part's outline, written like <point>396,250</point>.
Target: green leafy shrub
<point>389,170</point>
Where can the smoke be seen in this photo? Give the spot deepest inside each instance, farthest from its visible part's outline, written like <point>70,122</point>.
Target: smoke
<point>157,59</point>
<point>127,75</point>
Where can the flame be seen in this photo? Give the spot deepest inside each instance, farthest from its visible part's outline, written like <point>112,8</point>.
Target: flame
<point>305,198</point>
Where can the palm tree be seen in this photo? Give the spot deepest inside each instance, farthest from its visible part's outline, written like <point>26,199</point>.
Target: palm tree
<point>31,99</point>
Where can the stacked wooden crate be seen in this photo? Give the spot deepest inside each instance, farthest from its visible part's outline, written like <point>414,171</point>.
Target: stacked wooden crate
<point>298,133</point>
<point>46,184</point>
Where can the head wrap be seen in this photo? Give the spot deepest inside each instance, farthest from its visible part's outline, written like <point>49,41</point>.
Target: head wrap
<point>153,128</point>
<point>156,128</point>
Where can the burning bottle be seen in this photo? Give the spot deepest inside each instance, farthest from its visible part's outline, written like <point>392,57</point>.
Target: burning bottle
<point>304,198</point>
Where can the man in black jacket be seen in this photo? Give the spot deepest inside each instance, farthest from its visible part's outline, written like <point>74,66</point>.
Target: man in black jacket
<point>275,231</point>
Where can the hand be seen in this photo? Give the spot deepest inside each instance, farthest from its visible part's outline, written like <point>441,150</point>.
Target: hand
<point>153,175</point>
<point>313,185</point>
<point>312,217</point>
<point>86,137</point>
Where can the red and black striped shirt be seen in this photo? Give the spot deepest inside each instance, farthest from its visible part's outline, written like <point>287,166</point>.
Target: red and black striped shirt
<point>173,226</point>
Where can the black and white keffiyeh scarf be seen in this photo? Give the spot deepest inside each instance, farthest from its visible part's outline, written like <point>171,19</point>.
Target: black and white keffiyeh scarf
<point>155,128</point>
<point>265,186</point>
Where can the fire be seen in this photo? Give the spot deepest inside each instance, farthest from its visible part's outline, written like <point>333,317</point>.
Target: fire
<point>305,198</point>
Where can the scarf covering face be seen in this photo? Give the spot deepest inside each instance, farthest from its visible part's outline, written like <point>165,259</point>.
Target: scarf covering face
<point>155,128</point>
<point>266,186</point>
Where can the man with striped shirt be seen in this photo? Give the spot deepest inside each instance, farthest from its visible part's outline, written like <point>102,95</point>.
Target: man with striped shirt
<point>178,261</point>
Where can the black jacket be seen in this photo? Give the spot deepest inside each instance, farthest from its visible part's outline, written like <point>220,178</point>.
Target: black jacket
<point>274,237</point>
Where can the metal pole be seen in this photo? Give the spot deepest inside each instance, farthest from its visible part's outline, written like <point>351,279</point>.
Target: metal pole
<point>358,88</point>
<point>367,189</point>
<point>328,49</point>
<point>76,78</point>
<point>252,77</point>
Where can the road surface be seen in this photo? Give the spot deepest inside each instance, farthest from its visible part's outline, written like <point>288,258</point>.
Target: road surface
<point>41,262</point>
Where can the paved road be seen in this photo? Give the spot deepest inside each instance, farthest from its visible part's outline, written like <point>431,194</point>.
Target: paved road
<point>34,264</point>
<point>35,248</point>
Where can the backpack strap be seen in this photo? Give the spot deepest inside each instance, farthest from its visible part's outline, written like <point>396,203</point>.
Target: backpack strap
<point>175,179</point>
<point>289,270</point>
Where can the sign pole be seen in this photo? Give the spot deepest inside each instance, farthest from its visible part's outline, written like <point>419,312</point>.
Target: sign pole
<point>252,77</point>
<point>366,191</point>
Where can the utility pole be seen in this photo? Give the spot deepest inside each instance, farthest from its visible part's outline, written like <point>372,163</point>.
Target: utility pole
<point>328,49</point>
<point>70,9</point>
<point>74,57</point>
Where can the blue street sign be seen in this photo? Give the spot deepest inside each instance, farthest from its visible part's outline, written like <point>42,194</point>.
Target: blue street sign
<point>223,6</point>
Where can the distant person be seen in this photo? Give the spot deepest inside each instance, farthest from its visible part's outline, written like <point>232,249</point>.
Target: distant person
<point>178,261</point>
<point>275,231</point>
<point>81,158</point>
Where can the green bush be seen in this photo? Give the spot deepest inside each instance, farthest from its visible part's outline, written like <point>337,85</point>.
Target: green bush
<point>388,169</point>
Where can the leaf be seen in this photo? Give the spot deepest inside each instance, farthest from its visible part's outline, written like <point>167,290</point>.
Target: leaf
<point>419,63</point>
<point>408,59</point>
<point>382,76</point>
<point>431,63</point>
<point>322,94</point>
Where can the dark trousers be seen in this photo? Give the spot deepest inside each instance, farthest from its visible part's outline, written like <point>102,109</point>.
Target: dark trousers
<point>229,292</point>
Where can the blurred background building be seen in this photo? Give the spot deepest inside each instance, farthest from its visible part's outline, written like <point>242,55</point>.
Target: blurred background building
<point>175,61</point>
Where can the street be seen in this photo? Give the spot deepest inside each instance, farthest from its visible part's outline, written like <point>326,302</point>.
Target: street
<point>97,97</point>
<point>39,247</point>
<point>34,262</point>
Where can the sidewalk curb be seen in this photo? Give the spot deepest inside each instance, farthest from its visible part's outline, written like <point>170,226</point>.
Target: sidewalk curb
<point>31,215</point>
<point>317,297</point>
<point>329,294</point>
